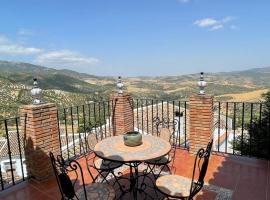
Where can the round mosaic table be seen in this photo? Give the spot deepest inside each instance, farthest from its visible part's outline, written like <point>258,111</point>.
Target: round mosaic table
<point>114,149</point>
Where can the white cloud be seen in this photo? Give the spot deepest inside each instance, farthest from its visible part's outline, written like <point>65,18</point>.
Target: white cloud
<point>65,58</point>
<point>206,22</point>
<point>13,49</point>
<point>25,32</point>
<point>216,27</point>
<point>213,24</point>
<point>57,59</point>
<point>8,47</point>
<point>184,1</point>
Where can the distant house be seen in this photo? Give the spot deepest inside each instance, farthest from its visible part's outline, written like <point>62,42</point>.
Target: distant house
<point>17,163</point>
<point>221,132</point>
<point>144,119</point>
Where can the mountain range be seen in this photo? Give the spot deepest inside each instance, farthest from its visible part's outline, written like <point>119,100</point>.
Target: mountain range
<point>67,87</point>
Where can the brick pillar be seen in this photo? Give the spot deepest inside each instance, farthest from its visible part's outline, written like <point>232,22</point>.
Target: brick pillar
<point>122,113</point>
<point>41,137</point>
<point>201,121</point>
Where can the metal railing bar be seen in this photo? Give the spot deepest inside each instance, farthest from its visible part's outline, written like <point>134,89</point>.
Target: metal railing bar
<point>20,152</point>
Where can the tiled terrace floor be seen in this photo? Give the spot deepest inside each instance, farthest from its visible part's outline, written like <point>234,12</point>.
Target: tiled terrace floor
<point>243,178</point>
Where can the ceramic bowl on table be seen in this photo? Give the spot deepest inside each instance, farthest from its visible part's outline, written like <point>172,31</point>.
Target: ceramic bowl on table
<point>132,139</point>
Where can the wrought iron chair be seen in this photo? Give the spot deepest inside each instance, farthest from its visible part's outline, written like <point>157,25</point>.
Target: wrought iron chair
<point>69,175</point>
<point>166,132</point>
<point>178,187</point>
<point>104,167</point>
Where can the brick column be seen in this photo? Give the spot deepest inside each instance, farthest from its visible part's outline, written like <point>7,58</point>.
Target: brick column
<point>122,113</point>
<point>41,137</point>
<point>201,121</point>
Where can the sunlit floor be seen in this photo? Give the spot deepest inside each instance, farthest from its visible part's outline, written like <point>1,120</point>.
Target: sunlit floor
<point>228,177</point>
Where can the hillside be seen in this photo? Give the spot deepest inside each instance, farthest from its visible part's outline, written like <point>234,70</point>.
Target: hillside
<point>66,80</point>
<point>64,87</point>
<point>67,87</point>
<point>175,87</point>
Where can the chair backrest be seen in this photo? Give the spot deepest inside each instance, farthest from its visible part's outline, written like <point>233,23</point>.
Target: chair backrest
<point>166,129</point>
<point>200,164</point>
<point>92,140</point>
<point>63,170</point>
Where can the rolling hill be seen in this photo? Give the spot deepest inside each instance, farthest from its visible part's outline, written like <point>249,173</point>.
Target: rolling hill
<point>67,87</point>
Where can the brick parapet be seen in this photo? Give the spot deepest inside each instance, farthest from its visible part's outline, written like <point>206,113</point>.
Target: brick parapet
<point>40,129</point>
<point>201,121</point>
<point>122,113</point>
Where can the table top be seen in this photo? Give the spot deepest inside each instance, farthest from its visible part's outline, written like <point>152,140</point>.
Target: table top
<point>113,148</point>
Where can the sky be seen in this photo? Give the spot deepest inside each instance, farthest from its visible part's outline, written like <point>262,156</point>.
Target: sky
<point>137,37</point>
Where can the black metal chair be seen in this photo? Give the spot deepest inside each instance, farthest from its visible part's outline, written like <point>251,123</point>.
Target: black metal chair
<point>104,167</point>
<point>178,187</point>
<point>69,176</point>
<point>165,130</point>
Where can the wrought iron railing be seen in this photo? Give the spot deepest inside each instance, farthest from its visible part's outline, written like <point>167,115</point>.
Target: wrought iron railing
<point>12,160</point>
<point>75,123</point>
<point>234,130</point>
<point>146,110</point>
<point>231,130</point>
<point>242,128</point>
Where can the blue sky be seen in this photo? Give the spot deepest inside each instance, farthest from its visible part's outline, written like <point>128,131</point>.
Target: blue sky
<point>137,37</point>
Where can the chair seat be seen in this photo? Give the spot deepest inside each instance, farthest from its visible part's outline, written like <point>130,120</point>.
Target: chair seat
<point>97,191</point>
<point>106,165</point>
<point>174,185</point>
<point>159,161</point>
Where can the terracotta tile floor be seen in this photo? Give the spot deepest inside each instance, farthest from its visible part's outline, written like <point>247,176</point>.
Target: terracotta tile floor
<point>246,178</point>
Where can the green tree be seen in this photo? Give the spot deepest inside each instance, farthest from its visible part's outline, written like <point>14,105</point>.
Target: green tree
<point>257,141</point>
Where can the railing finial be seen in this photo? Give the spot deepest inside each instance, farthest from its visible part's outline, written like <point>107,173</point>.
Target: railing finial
<point>120,85</point>
<point>36,92</point>
<point>202,85</point>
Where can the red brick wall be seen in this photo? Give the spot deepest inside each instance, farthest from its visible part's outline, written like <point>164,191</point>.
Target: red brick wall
<point>201,121</point>
<point>41,137</point>
<point>122,113</point>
